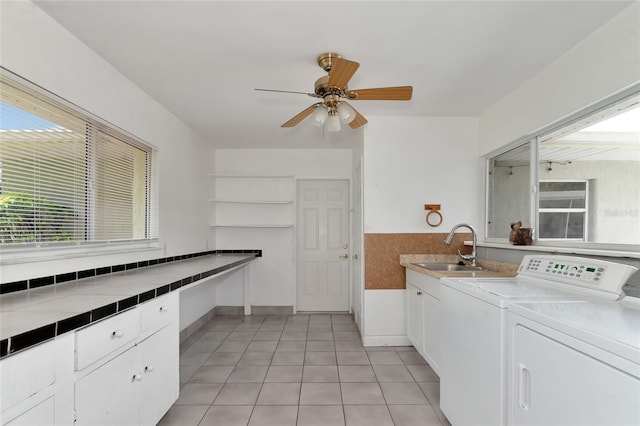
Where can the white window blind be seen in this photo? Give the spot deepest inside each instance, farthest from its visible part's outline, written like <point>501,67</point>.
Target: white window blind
<point>66,177</point>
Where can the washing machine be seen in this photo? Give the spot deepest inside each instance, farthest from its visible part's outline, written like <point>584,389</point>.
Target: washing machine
<point>574,363</point>
<point>473,379</point>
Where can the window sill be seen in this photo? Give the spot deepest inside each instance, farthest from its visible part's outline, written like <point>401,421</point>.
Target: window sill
<point>14,256</point>
<point>562,250</point>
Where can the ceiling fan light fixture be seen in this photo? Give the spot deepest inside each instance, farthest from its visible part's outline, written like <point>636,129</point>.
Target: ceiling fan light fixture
<point>346,113</point>
<point>332,88</point>
<point>319,116</point>
<point>333,123</point>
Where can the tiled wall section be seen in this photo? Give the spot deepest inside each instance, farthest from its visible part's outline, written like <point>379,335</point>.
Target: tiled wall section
<point>382,255</point>
<point>70,276</point>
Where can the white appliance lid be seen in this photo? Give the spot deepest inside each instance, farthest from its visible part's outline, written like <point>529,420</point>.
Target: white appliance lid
<point>612,326</point>
<point>507,289</point>
<point>545,276</point>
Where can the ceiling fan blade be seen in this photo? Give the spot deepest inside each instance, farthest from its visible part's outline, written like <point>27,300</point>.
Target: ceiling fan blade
<point>341,72</point>
<point>287,91</point>
<point>359,120</point>
<point>301,116</point>
<point>400,93</point>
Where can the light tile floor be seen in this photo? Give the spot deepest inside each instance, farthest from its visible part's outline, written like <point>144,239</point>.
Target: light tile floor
<point>306,370</point>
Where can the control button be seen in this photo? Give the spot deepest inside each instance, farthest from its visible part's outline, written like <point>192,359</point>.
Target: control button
<point>600,269</point>
<point>571,274</point>
<point>577,275</point>
<point>596,279</point>
<point>564,273</point>
<point>598,274</point>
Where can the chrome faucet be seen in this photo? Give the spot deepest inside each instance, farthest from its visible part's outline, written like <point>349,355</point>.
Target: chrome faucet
<point>472,257</point>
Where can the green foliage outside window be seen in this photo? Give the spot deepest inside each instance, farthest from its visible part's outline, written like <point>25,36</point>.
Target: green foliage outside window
<point>25,218</point>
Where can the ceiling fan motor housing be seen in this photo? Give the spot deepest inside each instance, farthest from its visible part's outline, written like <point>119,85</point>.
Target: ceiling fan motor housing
<point>325,60</point>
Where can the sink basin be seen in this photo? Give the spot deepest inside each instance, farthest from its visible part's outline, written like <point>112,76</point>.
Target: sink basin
<point>451,267</point>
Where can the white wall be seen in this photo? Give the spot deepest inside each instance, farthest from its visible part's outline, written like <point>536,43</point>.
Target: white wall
<point>600,65</point>
<point>37,48</point>
<point>409,162</point>
<point>273,274</point>
<point>412,161</point>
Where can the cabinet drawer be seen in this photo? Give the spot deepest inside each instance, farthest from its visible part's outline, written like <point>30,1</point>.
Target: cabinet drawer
<point>26,373</point>
<point>98,340</point>
<point>159,312</point>
<point>424,282</point>
<point>42,414</point>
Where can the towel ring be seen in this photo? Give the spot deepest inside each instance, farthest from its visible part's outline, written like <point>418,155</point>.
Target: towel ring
<point>434,209</point>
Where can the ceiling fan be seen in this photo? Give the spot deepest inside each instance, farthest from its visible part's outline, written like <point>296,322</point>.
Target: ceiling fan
<point>333,91</point>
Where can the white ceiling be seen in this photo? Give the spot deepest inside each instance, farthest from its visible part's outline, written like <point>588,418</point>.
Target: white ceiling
<point>202,59</point>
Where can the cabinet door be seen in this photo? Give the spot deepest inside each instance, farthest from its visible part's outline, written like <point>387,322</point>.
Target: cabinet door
<point>555,384</point>
<point>109,395</point>
<point>160,383</point>
<point>42,414</point>
<point>415,319</point>
<point>431,334</point>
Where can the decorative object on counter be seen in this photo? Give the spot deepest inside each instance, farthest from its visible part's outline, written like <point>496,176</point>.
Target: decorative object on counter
<point>520,236</point>
<point>434,209</point>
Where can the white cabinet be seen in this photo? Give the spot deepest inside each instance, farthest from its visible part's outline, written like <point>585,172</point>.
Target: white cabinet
<point>431,331</point>
<point>251,201</point>
<point>109,395</point>
<point>137,383</point>
<point>43,414</point>
<point>136,387</point>
<point>159,356</point>
<point>423,316</point>
<point>102,338</point>
<point>415,316</point>
<point>36,385</point>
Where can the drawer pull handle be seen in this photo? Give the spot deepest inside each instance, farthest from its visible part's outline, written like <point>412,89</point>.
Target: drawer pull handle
<point>117,333</point>
<point>419,293</point>
<point>163,309</point>
<point>148,368</point>
<point>136,377</point>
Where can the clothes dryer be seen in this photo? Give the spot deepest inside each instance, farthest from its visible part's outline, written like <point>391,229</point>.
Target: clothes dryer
<point>473,367</point>
<point>574,363</point>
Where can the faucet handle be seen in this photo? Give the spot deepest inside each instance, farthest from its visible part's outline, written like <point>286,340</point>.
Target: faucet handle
<point>470,257</point>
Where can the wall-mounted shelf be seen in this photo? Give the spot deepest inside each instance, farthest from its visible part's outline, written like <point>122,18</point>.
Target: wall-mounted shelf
<point>252,201</point>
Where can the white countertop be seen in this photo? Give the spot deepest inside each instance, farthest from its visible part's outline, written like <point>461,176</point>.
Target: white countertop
<point>28,310</point>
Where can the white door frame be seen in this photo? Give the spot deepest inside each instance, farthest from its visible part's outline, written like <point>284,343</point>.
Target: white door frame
<point>295,236</point>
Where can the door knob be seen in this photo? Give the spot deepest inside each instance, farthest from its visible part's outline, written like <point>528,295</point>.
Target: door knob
<point>344,256</point>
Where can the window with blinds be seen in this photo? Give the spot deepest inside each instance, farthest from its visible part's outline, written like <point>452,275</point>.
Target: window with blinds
<point>66,177</point>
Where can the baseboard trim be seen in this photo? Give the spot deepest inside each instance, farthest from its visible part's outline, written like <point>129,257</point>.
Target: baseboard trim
<point>189,330</point>
<point>386,341</point>
<point>229,310</point>
<point>271,310</point>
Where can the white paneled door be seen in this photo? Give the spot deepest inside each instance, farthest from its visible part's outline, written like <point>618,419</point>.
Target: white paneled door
<point>323,245</point>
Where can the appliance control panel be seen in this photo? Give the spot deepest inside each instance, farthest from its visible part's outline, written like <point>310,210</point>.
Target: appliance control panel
<point>588,273</point>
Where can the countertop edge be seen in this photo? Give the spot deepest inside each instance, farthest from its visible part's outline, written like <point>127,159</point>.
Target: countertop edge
<point>501,269</point>
<point>13,344</point>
